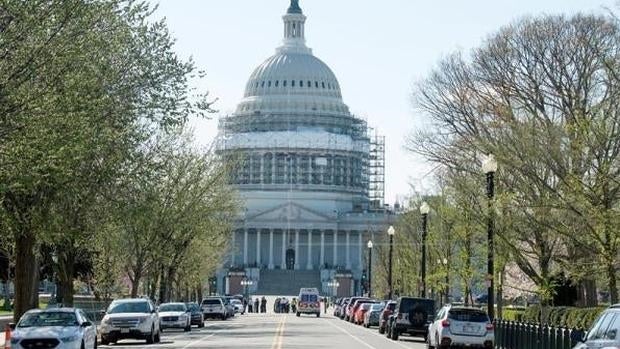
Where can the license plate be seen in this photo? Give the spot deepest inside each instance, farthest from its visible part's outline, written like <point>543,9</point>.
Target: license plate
<point>124,330</point>
<point>468,329</point>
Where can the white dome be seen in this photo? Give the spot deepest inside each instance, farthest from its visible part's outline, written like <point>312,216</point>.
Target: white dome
<point>293,73</point>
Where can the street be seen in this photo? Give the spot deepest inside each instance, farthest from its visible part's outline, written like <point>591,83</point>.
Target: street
<point>275,331</point>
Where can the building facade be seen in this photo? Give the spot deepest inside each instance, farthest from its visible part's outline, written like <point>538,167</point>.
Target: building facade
<point>309,173</point>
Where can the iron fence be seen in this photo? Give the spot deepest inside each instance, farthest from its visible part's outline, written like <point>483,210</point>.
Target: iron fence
<point>517,335</point>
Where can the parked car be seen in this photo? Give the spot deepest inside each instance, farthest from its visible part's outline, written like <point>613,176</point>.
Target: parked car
<point>342,308</point>
<point>461,326</point>
<point>174,315</point>
<point>353,309</point>
<point>385,314</point>
<point>371,317</point>
<point>358,317</point>
<point>230,308</point>
<point>239,308</point>
<point>130,319</point>
<point>196,315</point>
<point>411,316</point>
<point>347,308</point>
<point>54,328</point>
<point>603,333</point>
<point>214,308</point>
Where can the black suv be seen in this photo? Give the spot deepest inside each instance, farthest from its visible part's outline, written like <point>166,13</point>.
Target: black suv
<point>411,316</point>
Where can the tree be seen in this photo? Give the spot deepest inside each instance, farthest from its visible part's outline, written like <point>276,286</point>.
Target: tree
<point>542,96</point>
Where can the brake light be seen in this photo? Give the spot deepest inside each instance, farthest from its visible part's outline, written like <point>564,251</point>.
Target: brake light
<point>490,327</point>
<point>445,323</point>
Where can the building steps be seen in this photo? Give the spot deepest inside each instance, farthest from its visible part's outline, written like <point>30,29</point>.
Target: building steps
<point>287,282</point>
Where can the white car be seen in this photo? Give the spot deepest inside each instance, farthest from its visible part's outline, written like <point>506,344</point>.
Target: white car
<point>238,306</point>
<point>61,328</point>
<point>461,326</point>
<point>130,319</point>
<point>213,307</point>
<point>175,315</point>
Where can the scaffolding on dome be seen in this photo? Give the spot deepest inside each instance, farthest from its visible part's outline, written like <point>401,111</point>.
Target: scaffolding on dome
<point>295,151</point>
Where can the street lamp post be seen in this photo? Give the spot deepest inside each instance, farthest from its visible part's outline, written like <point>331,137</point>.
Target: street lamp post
<point>489,167</point>
<point>334,287</point>
<point>245,283</point>
<point>369,268</point>
<point>424,210</point>
<point>391,233</point>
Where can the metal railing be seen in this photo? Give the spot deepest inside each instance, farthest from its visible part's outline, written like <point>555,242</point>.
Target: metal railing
<point>516,335</point>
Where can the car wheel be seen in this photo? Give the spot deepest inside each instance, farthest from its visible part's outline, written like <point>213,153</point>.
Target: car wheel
<point>201,324</point>
<point>297,314</point>
<point>381,330</point>
<point>318,314</point>
<point>223,317</point>
<point>104,341</point>
<point>151,337</point>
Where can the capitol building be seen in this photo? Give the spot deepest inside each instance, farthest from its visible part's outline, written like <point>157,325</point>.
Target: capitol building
<point>310,177</point>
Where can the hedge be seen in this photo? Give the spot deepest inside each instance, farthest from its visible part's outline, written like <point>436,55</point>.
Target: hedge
<point>570,317</point>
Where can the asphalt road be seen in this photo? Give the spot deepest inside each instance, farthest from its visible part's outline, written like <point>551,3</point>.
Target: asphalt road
<point>276,331</point>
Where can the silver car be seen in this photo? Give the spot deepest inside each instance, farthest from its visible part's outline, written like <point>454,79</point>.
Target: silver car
<point>604,333</point>
<point>62,328</point>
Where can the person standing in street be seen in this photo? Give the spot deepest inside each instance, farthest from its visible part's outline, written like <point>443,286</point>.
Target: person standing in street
<point>263,305</point>
<point>256,305</point>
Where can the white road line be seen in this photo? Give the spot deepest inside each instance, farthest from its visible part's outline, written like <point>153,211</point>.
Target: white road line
<point>354,337</point>
<point>385,338</point>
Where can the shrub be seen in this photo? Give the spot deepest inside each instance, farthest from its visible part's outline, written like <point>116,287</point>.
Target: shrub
<point>570,317</point>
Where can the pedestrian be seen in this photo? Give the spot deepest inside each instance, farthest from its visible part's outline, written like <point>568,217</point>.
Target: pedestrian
<point>256,305</point>
<point>294,305</point>
<point>325,304</point>
<point>245,305</point>
<point>276,305</point>
<point>263,305</point>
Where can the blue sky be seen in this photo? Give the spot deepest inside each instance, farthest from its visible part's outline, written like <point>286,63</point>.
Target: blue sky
<point>377,49</point>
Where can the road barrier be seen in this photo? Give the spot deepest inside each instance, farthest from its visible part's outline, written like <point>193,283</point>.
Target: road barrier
<point>517,335</point>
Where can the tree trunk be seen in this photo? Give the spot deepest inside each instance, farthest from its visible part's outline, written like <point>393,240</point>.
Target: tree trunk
<point>26,274</point>
<point>135,285</point>
<point>66,267</point>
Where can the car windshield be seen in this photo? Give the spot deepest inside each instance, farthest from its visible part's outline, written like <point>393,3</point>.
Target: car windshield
<point>391,306</point>
<point>211,302</point>
<point>470,315</point>
<point>377,307</point>
<point>172,307</point>
<point>235,301</point>
<point>408,305</point>
<point>46,319</point>
<point>366,306</point>
<point>129,307</point>
<point>309,298</point>
<point>192,306</point>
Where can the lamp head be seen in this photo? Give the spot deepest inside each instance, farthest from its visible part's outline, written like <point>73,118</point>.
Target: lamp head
<point>489,164</point>
<point>424,208</point>
<point>391,231</point>
<point>369,244</point>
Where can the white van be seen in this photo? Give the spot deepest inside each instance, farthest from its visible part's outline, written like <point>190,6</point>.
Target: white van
<point>309,302</point>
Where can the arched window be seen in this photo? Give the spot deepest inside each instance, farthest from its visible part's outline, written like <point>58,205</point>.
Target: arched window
<point>293,83</point>
<point>323,83</point>
<point>277,83</point>
<point>262,84</point>
<point>316,84</point>
<point>284,83</point>
<point>301,83</point>
<point>269,83</point>
<point>257,84</point>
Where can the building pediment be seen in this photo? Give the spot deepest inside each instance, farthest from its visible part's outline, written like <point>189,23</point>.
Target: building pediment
<point>289,211</point>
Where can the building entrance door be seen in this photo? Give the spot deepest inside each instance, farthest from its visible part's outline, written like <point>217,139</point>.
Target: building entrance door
<point>290,259</point>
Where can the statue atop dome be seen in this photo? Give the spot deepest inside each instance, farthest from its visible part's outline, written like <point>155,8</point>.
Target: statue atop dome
<point>294,8</point>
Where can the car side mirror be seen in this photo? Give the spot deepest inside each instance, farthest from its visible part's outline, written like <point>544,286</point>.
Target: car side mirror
<point>12,326</point>
<point>86,324</point>
<point>578,336</point>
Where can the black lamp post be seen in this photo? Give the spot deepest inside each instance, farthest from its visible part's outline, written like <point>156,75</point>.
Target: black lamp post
<point>489,167</point>
<point>424,210</point>
<point>369,268</point>
<point>391,233</point>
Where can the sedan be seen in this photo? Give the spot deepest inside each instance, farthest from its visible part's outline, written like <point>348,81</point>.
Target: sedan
<point>174,315</point>
<point>197,317</point>
<point>62,328</point>
<point>371,318</point>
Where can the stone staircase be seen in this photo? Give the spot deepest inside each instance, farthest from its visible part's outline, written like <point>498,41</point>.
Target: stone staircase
<point>287,282</point>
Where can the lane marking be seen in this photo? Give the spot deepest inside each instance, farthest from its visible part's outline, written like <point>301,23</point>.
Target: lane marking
<point>354,337</point>
<point>279,336</point>
<point>380,336</point>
